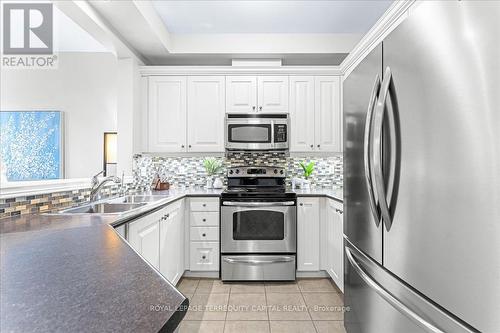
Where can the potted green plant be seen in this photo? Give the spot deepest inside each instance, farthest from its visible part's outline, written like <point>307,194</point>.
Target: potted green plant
<point>308,170</point>
<point>212,166</point>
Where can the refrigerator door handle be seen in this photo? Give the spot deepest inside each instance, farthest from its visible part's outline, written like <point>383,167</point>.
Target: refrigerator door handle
<point>388,297</point>
<point>386,197</point>
<point>367,151</point>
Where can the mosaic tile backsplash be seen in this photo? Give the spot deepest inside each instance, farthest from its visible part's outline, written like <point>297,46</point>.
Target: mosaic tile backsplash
<point>189,171</point>
<point>179,171</point>
<point>52,202</point>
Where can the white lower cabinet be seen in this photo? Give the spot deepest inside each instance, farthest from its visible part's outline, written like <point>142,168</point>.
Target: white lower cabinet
<point>171,242</point>
<point>204,234</point>
<point>335,242</point>
<point>308,221</point>
<point>144,237</point>
<point>159,238</point>
<point>320,242</point>
<point>204,256</point>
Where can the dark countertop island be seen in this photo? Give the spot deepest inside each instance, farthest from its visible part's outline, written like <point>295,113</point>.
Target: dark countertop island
<point>75,274</point>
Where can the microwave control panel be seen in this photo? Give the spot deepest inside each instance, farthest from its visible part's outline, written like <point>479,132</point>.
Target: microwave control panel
<point>280,133</point>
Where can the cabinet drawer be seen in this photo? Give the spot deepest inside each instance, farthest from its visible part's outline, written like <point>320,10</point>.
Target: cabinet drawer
<point>204,256</point>
<point>204,234</point>
<point>204,205</point>
<point>204,219</point>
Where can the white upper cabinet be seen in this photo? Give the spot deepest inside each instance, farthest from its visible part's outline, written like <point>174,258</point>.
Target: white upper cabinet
<point>167,114</point>
<point>206,110</point>
<point>248,94</point>
<point>302,113</point>
<point>308,244</point>
<point>315,113</point>
<point>272,93</point>
<point>241,94</point>
<point>327,113</point>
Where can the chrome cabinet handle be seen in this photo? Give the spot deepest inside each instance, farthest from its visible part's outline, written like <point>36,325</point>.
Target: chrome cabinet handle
<point>203,257</point>
<point>189,146</point>
<point>204,205</point>
<point>182,146</point>
<point>386,199</point>
<point>367,149</point>
<point>253,108</point>
<point>204,220</point>
<point>204,235</point>
<point>312,146</point>
<point>258,204</point>
<point>260,108</point>
<point>387,296</point>
<point>257,262</point>
<point>319,146</point>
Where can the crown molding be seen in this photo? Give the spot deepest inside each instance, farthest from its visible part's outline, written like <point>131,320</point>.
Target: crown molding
<point>237,70</point>
<point>389,21</point>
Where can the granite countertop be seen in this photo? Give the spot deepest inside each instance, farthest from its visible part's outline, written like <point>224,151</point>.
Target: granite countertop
<point>75,273</point>
<point>333,193</point>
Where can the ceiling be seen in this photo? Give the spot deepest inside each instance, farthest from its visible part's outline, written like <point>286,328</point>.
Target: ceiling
<point>70,37</point>
<point>195,17</point>
<point>212,32</point>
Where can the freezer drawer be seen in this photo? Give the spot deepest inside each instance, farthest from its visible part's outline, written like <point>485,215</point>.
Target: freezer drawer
<point>258,267</point>
<point>378,302</point>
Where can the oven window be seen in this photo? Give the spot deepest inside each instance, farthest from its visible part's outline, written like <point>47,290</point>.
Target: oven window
<point>260,133</point>
<point>258,225</point>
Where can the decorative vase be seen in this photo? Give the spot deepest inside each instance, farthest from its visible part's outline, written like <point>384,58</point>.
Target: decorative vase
<point>210,182</point>
<point>218,183</point>
<point>306,185</point>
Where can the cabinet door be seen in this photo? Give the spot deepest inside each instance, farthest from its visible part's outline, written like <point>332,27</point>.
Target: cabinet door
<point>167,114</point>
<point>206,109</point>
<point>241,94</point>
<point>144,237</point>
<point>302,113</point>
<point>308,218</point>
<point>171,243</point>
<point>272,93</point>
<point>327,113</point>
<point>335,243</point>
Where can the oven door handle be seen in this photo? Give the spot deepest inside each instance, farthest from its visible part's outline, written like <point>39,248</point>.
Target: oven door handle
<point>258,204</point>
<point>257,262</point>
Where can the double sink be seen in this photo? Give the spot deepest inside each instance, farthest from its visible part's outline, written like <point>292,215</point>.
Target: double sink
<point>115,205</point>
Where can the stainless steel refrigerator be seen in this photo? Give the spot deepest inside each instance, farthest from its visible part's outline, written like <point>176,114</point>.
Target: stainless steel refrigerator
<point>422,175</point>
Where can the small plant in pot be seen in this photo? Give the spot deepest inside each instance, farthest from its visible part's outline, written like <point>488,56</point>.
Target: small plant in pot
<point>308,170</point>
<point>212,166</point>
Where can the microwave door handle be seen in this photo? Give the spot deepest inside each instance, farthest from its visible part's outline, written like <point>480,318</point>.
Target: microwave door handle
<point>272,135</point>
<point>258,204</point>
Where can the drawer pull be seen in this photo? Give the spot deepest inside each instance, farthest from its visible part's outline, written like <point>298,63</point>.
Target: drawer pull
<point>204,220</point>
<point>203,257</point>
<point>204,235</point>
<point>204,205</point>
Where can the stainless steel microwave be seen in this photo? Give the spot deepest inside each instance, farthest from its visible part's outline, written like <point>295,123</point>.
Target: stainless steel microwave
<point>257,132</point>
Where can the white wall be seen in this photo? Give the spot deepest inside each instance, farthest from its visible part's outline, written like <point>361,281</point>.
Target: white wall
<point>84,87</point>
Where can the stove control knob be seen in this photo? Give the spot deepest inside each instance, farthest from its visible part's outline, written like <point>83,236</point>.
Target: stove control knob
<point>281,171</point>
<point>237,171</point>
<point>264,171</point>
<point>231,172</point>
<point>275,170</point>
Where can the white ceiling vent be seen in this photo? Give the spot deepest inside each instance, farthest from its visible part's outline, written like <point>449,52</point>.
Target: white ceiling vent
<point>256,62</point>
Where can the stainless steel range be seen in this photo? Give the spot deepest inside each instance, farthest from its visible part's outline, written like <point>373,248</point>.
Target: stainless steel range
<point>258,226</point>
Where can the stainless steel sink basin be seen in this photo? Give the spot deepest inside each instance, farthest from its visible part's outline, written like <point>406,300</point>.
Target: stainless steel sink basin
<point>137,198</point>
<point>103,208</point>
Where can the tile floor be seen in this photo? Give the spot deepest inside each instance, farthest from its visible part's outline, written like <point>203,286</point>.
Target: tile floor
<point>307,305</point>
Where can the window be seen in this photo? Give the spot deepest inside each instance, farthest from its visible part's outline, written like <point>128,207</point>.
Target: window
<point>31,146</point>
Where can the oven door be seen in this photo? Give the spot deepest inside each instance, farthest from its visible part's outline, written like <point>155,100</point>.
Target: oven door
<point>258,227</point>
<point>249,134</point>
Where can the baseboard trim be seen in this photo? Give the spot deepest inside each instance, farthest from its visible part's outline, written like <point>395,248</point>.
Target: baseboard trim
<point>202,274</point>
<point>312,274</point>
